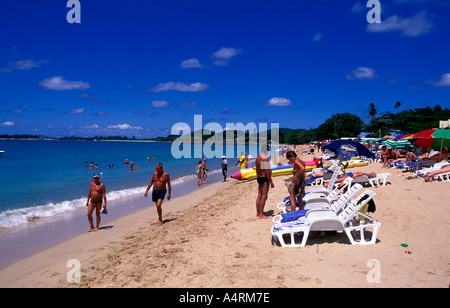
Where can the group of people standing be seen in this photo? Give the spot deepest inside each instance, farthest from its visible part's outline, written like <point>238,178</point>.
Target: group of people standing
<point>161,185</point>
<point>296,184</point>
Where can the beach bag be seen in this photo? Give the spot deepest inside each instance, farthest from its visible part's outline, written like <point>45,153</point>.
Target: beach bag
<point>371,208</point>
<point>370,205</point>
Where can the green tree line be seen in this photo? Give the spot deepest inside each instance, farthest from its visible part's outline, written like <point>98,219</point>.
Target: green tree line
<point>380,124</point>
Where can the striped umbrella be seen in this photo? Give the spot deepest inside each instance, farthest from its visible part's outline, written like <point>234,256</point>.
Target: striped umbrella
<point>404,143</point>
<point>407,136</point>
<point>433,138</point>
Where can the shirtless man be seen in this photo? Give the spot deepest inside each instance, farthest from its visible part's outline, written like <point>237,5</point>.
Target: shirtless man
<point>159,181</point>
<point>296,185</point>
<point>264,179</point>
<point>97,192</point>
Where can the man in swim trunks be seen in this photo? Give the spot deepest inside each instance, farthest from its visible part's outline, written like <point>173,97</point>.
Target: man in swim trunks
<point>264,179</point>
<point>159,181</point>
<point>97,192</point>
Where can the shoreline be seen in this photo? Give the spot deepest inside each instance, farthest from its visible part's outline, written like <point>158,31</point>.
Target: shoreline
<point>211,238</point>
<point>24,240</point>
<point>22,272</point>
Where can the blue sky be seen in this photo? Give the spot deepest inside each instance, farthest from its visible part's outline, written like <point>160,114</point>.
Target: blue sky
<point>135,68</point>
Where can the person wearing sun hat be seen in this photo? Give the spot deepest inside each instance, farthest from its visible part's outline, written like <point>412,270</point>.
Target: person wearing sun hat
<point>96,195</point>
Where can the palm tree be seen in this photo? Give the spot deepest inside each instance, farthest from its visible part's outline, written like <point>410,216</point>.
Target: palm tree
<point>372,110</point>
<point>397,105</point>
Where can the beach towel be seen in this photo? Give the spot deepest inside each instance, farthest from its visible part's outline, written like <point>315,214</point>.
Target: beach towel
<point>292,216</point>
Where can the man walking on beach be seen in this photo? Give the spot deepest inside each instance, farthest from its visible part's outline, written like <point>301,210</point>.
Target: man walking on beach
<point>264,179</point>
<point>159,181</point>
<point>97,192</point>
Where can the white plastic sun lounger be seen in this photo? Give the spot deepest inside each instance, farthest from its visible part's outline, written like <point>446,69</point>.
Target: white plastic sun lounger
<point>285,206</point>
<point>335,206</point>
<point>287,234</point>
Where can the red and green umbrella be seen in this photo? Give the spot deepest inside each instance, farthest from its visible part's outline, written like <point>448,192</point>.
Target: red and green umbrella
<point>432,138</point>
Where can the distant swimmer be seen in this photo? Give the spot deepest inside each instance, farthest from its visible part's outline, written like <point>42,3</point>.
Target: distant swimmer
<point>97,192</point>
<point>126,161</point>
<point>159,181</point>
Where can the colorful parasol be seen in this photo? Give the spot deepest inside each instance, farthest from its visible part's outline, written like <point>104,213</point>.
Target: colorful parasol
<point>401,144</point>
<point>433,138</point>
<point>401,137</point>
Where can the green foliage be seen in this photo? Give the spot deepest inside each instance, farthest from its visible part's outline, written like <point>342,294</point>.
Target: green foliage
<point>408,121</point>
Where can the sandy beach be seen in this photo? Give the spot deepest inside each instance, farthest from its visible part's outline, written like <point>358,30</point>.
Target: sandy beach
<point>211,238</point>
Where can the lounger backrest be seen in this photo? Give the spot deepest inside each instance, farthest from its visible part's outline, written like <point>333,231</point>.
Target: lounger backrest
<point>345,198</point>
<point>337,169</point>
<point>338,191</point>
<point>354,206</point>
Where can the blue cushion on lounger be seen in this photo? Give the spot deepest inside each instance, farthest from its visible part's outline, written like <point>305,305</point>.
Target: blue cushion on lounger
<point>292,216</point>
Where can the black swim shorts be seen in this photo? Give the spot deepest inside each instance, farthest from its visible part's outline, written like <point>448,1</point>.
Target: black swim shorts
<point>262,180</point>
<point>158,194</point>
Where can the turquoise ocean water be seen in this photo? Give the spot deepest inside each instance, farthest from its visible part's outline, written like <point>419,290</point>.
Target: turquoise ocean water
<point>43,178</point>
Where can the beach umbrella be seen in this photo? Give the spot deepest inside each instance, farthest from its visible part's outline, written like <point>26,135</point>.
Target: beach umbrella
<point>433,138</point>
<point>348,149</point>
<point>400,137</point>
<point>397,144</point>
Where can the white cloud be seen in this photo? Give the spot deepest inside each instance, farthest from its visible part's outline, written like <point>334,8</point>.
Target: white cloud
<point>22,65</point>
<point>224,55</point>
<point>94,126</point>
<point>279,101</point>
<point>160,104</point>
<point>124,127</point>
<point>58,83</point>
<point>443,82</point>
<point>362,73</point>
<point>76,111</point>
<point>413,26</point>
<point>7,124</point>
<point>191,63</point>
<point>180,86</point>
